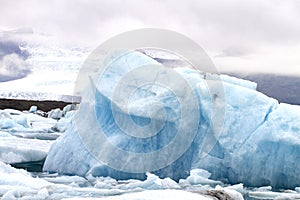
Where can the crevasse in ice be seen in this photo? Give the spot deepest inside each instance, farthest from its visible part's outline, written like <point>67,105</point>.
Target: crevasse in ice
<point>241,135</point>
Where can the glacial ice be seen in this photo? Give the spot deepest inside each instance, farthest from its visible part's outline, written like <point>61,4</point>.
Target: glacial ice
<point>25,137</point>
<point>64,122</point>
<point>33,109</point>
<point>18,150</point>
<point>258,143</point>
<point>55,114</point>
<point>157,194</point>
<point>15,121</point>
<point>200,176</point>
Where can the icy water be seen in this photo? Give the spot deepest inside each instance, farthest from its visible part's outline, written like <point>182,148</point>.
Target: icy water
<point>35,167</point>
<point>70,180</point>
<point>87,187</point>
<point>112,184</point>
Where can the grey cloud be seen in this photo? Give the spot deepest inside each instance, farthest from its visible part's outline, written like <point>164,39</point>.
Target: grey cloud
<point>13,67</point>
<point>213,22</point>
<point>12,57</point>
<point>228,28</point>
<point>234,51</point>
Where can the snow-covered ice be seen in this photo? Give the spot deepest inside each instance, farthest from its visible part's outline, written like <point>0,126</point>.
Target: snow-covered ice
<point>18,150</point>
<point>154,195</point>
<point>25,136</point>
<point>19,184</point>
<point>33,109</point>
<point>55,114</point>
<point>64,122</point>
<point>200,176</point>
<point>258,144</point>
<point>16,121</point>
<point>274,195</point>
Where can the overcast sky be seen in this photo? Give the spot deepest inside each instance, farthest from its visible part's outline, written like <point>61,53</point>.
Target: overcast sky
<point>243,35</point>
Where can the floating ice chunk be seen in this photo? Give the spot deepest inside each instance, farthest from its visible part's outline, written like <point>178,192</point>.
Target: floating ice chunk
<point>5,134</point>
<point>17,150</point>
<point>17,184</point>
<point>68,108</point>
<point>67,180</point>
<point>154,182</point>
<point>33,109</point>
<point>37,135</point>
<point>15,121</point>
<point>232,193</point>
<point>102,185</point>
<point>64,122</point>
<point>33,127</point>
<point>4,115</point>
<point>238,187</point>
<point>184,183</point>
<point>22,120</point>
<point>274,195</point>
<point>263,189</point>
<point>39,123</point>
<point>200,176</point>
<point>168,183</point>
<point>18,177</point>
<point>13,111</point>
<point>55,114</point>
<point>7,123</point>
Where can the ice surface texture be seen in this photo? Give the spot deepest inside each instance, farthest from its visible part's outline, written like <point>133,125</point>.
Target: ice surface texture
<point>24,136</point>
<point>256,141</point>
<point>19,184</point>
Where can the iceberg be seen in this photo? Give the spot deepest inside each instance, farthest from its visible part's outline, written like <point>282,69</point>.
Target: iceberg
<point>170,121</point>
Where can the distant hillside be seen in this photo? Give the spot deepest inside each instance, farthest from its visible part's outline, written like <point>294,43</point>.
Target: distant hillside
<point>42,101</point>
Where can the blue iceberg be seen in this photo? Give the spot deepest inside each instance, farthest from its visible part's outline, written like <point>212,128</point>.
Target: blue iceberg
<point>170,121</point>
